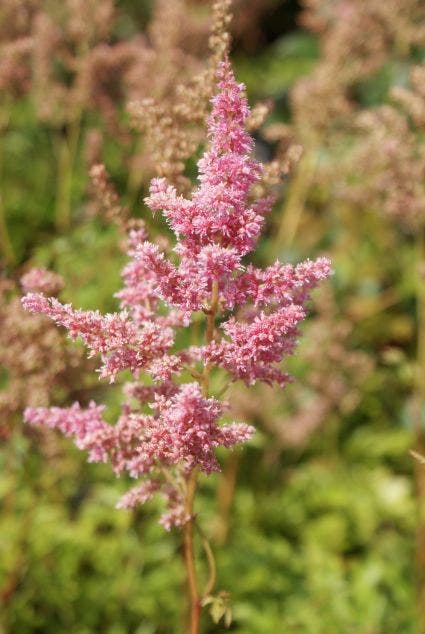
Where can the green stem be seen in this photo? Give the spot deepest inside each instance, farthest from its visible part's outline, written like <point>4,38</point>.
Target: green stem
<point>209,587</point>
<point>134,180</point>
<point>189,556</point>
<point>6,246</point>
<point>225,497</point>
<point>294,204</point>
<point>66,162</point>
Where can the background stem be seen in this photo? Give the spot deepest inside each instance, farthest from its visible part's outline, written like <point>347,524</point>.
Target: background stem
<point>66,160</point>
<point>295,202</point>
<point>6,247</point>
<point>195,604</point>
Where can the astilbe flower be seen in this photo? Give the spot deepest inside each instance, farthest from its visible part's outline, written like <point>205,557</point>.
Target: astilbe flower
<point>391,137</point>
<point>15,45</point>
<point>216,228</point>
<point>382,167</point>
<point>357,38</point>
<point>73,52</point>
<point>40,367</point>
<point>39,279</point>
<point>172,118</point>
<point>336,374</point>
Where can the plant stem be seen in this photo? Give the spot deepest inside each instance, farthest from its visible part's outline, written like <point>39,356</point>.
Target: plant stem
<point>294,205</point>
<point>226,494</point>
<point>191,483</point>
<point>66,160</point>
<point>6,245</point>
<point>195,604</point>
<point>209,587</point>
<point>69,145</point>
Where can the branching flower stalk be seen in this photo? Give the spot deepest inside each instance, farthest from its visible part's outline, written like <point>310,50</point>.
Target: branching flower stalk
<point>169,426</point>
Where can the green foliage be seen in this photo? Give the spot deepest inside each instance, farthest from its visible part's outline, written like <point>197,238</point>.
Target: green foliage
<point>279,66</point>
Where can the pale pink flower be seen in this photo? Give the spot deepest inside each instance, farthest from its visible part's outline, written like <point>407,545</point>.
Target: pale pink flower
<point>226,174</point>
<point>215,228</point>
<point>38,279</point>
<point>139,494</point>
<point>182,430</point>
<point>254,348</point>
<point>118,339</point>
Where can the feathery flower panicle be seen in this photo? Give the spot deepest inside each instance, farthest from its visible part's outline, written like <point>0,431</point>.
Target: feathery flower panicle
<point>226,174</point>
<point>215,228</point>
<point>391,139</point>
<point>182,431</point>
<point>106,199</point>
<point>334,382</point>
<point>356,38</point>
<point>38,279</point>
<point>34,354</point>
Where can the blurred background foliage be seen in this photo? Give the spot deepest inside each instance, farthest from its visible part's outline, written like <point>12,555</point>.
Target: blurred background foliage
<point>314,524</point>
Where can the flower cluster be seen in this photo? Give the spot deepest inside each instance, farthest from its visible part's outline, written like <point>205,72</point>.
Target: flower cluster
<point>334,381</point>
<point>34,354</point>
<point>394,181</point>
<point>182,430</point>
<point>356,39</point>
<point>38,279</point>
<point>216,227</point>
